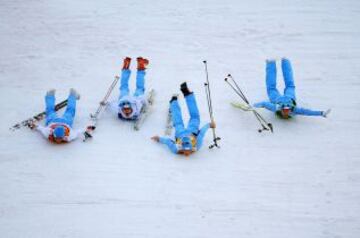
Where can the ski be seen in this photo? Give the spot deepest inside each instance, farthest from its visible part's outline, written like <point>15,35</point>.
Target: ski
<point>242,106</point>
<point>145,110</point>
<point>266,126</point>
<point>169,125</point>
<point>247,108</point>
<point>95,116</point>
<point>28,122</point>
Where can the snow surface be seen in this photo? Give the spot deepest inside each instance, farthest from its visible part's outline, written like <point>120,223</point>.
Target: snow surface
<point>301,181</point>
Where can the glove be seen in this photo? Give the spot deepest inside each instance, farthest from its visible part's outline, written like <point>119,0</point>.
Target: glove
<point>325,113</point>
<point>32,125</point>
<point>155,138</point>
<point>90,128</point>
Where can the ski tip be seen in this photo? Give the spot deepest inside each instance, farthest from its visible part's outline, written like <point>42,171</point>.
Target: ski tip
<point>235,104</point>
<point>204,61</point>
<point>152,91</point>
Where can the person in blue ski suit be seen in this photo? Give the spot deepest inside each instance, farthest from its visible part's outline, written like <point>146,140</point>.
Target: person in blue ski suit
<point>284,105</point>
<point>187,140</point>
<point>59,129</point>
<point>129,107</point>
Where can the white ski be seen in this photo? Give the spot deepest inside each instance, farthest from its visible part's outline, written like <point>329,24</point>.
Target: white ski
<point>266,126</point>
<point>169,126</point>
<point>242,106</point>
<point>146,109</point>
<point>248,108</point>
<point>95,116</point>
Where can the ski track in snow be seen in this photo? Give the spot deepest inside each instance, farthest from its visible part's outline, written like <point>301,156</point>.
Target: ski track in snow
<point>302,181</point>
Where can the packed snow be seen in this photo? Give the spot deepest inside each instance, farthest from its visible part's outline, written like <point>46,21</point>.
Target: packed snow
<point>301,181</point>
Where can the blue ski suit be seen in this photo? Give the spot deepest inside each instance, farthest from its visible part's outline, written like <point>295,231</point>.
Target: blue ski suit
<point>135,101</point>
<point>278,101</point>
<point>192,130</point>
<point>52,119</point>
<point>69,114</point>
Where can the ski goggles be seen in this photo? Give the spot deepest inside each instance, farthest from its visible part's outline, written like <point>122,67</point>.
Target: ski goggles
<point>286,110</point>
<point>125,104</point>
<point>288,106</point>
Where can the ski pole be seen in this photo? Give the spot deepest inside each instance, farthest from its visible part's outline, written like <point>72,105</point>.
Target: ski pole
<point>264,124</point>
<point>260,119</point>
<point>209,102</point>
<point>239,90</point>
<point>240,94</point>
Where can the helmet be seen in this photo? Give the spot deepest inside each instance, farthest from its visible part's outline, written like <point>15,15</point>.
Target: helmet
<point>59,132</point>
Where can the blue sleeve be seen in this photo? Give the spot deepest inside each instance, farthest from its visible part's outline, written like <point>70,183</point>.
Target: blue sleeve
<point>268,105</point>
<point>170,143</point>
<point>307,112</point>
<point>201,135</point>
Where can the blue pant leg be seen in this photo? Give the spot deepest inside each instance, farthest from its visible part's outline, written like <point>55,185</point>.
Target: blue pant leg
<point>69,114</point>
<point>272,91</point>
<point>177,118</point>
<point>124,83</point>
<point>50,109</point>
<point>194,121</point>
<point>288,78</point>
<point>140,83</point>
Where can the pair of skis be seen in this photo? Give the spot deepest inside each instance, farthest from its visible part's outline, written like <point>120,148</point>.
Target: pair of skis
<point>95,116</point>
<point>145,110</point>
<point>38,117</point>
<point>246,106</point>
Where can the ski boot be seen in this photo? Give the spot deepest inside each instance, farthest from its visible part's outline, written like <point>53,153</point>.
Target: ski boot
<point>126,63</point>
<point>184,89</point>
<point>51,92</point>
<point>142,63</point>
<point>75,93</point>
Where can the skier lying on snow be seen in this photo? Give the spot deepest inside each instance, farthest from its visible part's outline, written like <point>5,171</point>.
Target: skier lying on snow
<point>190,139</point>
<point>59,129</point>
<point>284,106</point>
<point>128,107</point>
